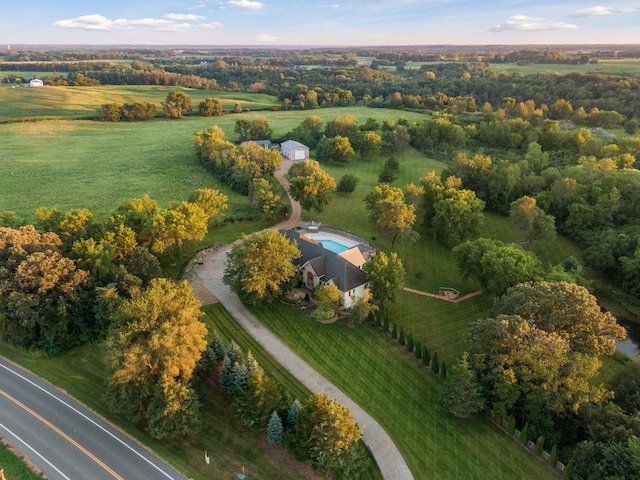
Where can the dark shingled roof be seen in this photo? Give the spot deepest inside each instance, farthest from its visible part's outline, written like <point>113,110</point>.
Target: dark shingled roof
<point>325,262</point>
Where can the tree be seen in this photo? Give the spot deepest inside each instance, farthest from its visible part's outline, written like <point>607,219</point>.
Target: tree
<point>362,308</point>
<point>458,216</point>
<point>347,183</point>
<point>154,344</point>
<point>531,220</point>
<point>461,392</point>
<point>42,292</point>
<point>336,150</point>
<point>310,185</point>
<point>243,129</point>
<point>260,265</point>
<point>260,129</point>
<point>275,430</point>
<point>393,217</point>
<point>369,145</point>
<point>176,104</point>
<point>567,310</point>
<point>530,372</point>
<point>324,431</point>
<point>266,200</point>
<point>385,275</point>
<point>177,224</point>
<point>110,112</point>
<point>328,296</point>
<point>496,266</point>
<point>210,107</point>
<point>211,201</point>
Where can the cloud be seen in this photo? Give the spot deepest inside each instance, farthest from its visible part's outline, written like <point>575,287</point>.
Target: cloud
<point>246,4</point>
<point>335,5</point>
<point>175,27</point>
<point>199,5</point>
<point>265,37</point>
<point>526,23</point>
<point>210,25</point>
<point>183,17</point>
<point>89,22</point>
<point>599,11</point>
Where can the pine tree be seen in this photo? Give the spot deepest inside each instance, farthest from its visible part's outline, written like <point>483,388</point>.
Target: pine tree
<point>410,342</point>
<point>385,324</point>
<point>539,445</point>
<point>216,348</point>
<point>460,391</point>
<point>292,413</point>
<point>426,356</point>
<point>394,331</point>
<point>418,350</point>
<point>443,370</point>
<point>228,373</point>
<point>511,425</point>
<point>275,430</point>
<point>401,336</point>
<point>435,364</point>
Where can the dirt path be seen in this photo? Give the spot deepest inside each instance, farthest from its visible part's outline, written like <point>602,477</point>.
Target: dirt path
<point>442,297</point>
<point>296,211</point>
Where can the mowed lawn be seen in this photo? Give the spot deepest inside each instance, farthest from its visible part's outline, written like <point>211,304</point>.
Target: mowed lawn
<point>97,165</point>
<point>402,395</point>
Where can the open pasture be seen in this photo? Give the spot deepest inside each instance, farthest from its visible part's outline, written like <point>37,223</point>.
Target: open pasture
<point>82,102</point>
<point>99,165</point>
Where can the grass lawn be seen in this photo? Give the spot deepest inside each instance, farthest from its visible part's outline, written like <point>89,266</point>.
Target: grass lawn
<point>14,467</point>
<point>96,165</point>
<point>400,393</point>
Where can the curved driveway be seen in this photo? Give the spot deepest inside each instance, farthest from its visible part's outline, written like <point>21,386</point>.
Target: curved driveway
<point>209,274</point>
<point>66,440</point>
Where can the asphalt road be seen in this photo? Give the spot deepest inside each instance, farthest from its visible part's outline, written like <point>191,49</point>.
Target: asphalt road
<point>64,439</point>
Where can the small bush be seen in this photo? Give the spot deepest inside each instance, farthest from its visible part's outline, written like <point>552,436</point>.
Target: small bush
<point>394,331</point>
<point>426,356</point>
<point>511,425</point>
<point>323,313</point>
<point>553,457</point>
<point>401,336</point>
<point>524,434</point>
<point>443,370</point>
<point>410,342</point>
<point>539,445</point>
<point>418,350</point>
<point>435,364</point>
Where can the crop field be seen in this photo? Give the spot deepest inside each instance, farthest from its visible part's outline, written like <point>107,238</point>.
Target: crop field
<point>618,67</point>
<point>82,102</point>
<point>99,165</point>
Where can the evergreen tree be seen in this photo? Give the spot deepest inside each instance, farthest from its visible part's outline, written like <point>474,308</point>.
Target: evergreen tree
<point>443,369</point>
<point>227,376</point>
<point>524,434</point>
<point>410,342</point>
<point>385,324</point>
<point>275,430</point>
<point>460,391</point>
<point>394,331</point>
<point>553,457</point>
<point>435,364</point>
<point>418,350</point>
<point>426,356</point>
<point>539,445</point>
<point>401,336</point>
<point>511,425</point>
<point>292,413</point>
<point>216,348</point>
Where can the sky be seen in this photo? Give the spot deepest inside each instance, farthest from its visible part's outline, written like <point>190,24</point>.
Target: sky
<point>318,22</point>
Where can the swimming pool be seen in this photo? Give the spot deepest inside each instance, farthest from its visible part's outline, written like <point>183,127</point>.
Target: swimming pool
<point>333,246</point>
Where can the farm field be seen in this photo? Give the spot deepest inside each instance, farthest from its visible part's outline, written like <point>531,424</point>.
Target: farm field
<point>99,165</point>
<point>618,67</point>
<point>82,102</point>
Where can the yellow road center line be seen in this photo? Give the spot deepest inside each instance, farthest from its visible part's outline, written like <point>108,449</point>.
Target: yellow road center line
<point>61,433</point>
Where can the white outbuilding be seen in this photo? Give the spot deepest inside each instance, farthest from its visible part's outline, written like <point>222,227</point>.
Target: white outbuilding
<point>294,150</point>
<point>36,82</point>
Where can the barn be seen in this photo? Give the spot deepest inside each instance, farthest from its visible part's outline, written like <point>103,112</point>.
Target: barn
<point>294,150</point>
<point>36,82</point>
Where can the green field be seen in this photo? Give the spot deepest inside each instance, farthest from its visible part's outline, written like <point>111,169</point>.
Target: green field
<point>618,67</point>
<point>14,467</point>
<point>82,102</point>
<point>99,165</point>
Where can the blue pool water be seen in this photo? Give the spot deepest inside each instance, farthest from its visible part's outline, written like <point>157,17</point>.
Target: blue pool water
<point>333,246</point>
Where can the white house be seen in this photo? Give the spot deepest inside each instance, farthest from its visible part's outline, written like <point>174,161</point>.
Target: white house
<point>36,82</point>
<point>294,150</point>
<point>320,266</point>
